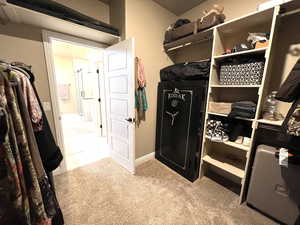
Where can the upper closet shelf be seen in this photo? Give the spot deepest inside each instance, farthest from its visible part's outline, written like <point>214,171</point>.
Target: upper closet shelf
<point>57,21</point>
<point>202,36</point>
<point>242,23</point>
<point>248,52</point>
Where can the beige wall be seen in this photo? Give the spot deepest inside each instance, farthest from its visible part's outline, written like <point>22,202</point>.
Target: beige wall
<point>232,8</point>
<point>146,22</point>
<point>117,15</point>
<point>64,71</point>
<point>92,8</point>
<point>24,44</point>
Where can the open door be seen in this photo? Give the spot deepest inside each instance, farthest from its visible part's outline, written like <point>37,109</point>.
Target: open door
<point>119,61</point>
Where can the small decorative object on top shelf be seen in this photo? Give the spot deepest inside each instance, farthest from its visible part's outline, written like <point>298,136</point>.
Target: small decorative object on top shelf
<point>270,111</point>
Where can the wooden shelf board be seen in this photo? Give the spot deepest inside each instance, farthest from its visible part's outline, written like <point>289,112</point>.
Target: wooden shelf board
<point>16,14</point>
<point>248,52</point>
<point>232,144</point>
<point>234,86</point>
<point>186,41</point>
<point>271,122</point>
<point>251,19</point>
<point>239,146</point>
<point>224,115</point>
<point>224,164</point>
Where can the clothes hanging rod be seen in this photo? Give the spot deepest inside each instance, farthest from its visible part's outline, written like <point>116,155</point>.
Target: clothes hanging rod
<point>293,12</point>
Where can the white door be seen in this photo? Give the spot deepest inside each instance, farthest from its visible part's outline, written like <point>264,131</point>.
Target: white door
<point>119,61</point>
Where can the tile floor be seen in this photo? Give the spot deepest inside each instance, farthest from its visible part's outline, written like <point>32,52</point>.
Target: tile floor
<point>83,142</point>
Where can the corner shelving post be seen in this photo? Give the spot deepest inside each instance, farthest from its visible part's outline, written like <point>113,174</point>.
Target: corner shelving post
<point>260,100</point>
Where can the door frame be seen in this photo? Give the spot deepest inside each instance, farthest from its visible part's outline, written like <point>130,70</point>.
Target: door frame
<point>47,37</point>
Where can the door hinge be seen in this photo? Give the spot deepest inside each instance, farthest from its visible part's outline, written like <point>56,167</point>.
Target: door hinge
<point>99,99</point>
<point>101,126</point>
<point>98,71</point>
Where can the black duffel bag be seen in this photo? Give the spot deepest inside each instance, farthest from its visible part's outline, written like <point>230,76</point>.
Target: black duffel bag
<point>186,71</point>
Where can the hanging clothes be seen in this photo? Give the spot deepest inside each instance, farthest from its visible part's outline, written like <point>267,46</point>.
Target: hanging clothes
<point>28,194</point>
<point>27,199</point>
<point>141,103</point>
<point>50,153</point>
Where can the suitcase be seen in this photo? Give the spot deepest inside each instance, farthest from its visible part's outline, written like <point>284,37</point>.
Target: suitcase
<point>275,190</point>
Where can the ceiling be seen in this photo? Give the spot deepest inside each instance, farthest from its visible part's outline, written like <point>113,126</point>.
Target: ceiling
<point>178,7</point>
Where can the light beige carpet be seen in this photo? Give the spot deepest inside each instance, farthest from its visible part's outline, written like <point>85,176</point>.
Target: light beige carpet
<point>104,193</point>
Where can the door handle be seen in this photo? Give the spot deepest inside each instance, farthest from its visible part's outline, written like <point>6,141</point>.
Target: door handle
<point>130,120</point>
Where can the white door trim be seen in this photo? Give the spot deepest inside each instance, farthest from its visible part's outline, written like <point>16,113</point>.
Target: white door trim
<point>48,36</point>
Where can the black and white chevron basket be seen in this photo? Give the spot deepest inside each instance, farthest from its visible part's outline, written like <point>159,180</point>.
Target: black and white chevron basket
<point>247,73</point>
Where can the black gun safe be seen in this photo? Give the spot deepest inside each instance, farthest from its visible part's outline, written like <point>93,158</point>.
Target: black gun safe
<point>179,125</point>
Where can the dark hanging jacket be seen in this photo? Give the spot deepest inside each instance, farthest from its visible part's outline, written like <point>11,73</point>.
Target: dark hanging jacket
<point>50,153</point>
<point>290,92</point>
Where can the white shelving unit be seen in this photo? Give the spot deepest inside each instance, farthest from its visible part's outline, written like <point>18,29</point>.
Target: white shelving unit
<point>225,37</point>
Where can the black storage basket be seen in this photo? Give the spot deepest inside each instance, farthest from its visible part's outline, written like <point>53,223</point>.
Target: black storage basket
<point>242,71</point>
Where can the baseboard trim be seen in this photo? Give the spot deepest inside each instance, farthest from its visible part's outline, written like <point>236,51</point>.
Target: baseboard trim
<point>144,159</point>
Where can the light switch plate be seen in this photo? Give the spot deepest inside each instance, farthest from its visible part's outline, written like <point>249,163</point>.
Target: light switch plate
<point>47,106</point>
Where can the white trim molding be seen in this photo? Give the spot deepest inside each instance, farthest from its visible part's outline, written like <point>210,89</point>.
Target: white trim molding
<point>145,158</point>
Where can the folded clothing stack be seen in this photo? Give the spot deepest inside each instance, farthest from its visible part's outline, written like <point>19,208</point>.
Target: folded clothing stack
<point>245,109</point>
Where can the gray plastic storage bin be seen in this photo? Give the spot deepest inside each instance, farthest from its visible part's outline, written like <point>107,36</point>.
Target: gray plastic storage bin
<point>274,190</point>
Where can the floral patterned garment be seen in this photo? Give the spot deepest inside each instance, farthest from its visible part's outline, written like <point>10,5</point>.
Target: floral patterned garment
<point>34,212</point>
<point>31,101</point>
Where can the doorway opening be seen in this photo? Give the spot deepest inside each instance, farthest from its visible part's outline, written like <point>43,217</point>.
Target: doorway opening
<point>80,97</point>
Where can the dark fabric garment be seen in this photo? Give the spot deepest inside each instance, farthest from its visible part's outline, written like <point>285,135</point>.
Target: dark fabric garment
<point>186,71</point>
<point>24,189</point>
<point>291,124</point>
<point>50,153</point>
<point>245,109</point>
<point>237,128</point>
<point>49,198</point>
<point>181,22</point>
<point>290,89</point>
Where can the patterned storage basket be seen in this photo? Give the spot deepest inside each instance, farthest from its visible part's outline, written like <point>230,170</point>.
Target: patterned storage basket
<point>242,72</point>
